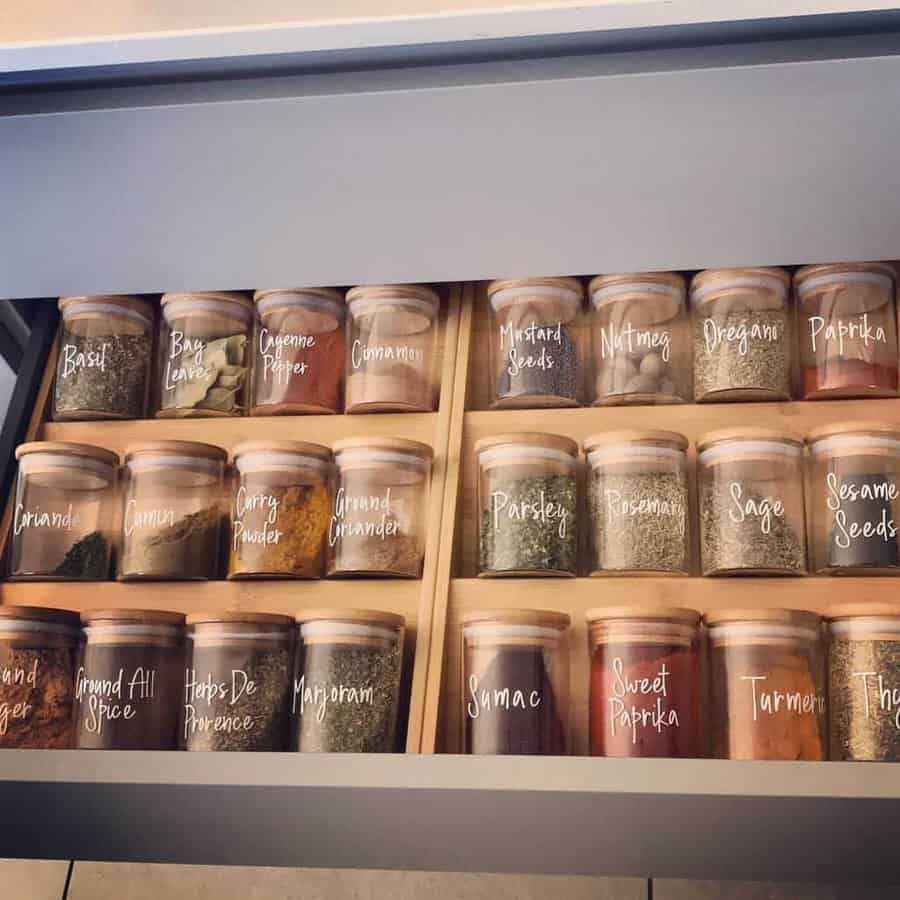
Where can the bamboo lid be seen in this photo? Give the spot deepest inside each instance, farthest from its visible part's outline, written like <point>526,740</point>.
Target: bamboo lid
<point>237,617</point>
<point>177,448</point>
<point>323,293</point>
<point>666,279</point>
<point>571,285</point>
<point>133,616</point>
<point>390,292</point>
<point>635,436</point>
<point>862,610</point>
<point>724,435</point>
<point>707,284</point>
<point>122,301</point>
<point>300,448</point>
<point>354,616</point>
<point>233,297</point>
<point>390,444</point>
<point>528,439</point>
<point>869,427</point>
<point>675,614</point>
<point>541,618</point>
<point>837,269</point>
<point>42,614</point>
<point>88,451</point>
<point>799,618</point>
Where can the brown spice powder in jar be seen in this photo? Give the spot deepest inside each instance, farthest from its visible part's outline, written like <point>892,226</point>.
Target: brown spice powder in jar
<point>38,650</point>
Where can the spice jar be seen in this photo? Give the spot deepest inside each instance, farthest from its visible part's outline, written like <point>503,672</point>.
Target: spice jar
<point>237,689</point>
<point>393,334</point>
<point>515,682</point>
<point>527,502</point>
<point>767,682</point>
<point>299,365</point>
<point>281,510</point>
<point>645,681</point>
<point>103,366</point>
<point>864,681</point>
<point>347,685</point>
<point>848,330</point>
<point>129,680</point>
<point>173,518</point>
<point>752,514</point>
<point>534,352</point>
<point>638,503</point>
<point>855,498</point>
<point>641,339</point>
<point>64,514</point>
<point>377,526</point>
<point>38,651</point>
<point>204,354</point>
<point>742,335</point>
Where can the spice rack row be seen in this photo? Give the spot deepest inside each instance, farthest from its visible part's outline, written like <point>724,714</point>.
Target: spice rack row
<point>413,599</point>
<point>575,596</point>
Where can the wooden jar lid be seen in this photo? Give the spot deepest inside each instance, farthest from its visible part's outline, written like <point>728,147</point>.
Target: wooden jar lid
<point>862,427</point>
<point>333,295</point>
<point>353,616</point>
<point>236,617</point>
<point>676,615</point>
<point>798,618</point>
<point>389,444</point>
<point>177,448</point>
<point>863,609</point>
<point>816,271</point>
<point>132,617</point>
<point>88,451</point>
<point>724,435</point>
<point>300,448</point>
<point>528,439</point>
<point>570,285</point>
<point>635,436</point>
<point>234,297</point>
<point>540,618</point>
<point>667,289</point>
<point>122,301</point>
<point>394,292</point>
<point>41,614</point>
<point>707,285</point>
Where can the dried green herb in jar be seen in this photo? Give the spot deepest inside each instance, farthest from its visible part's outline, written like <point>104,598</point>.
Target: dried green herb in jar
<point>86,559</point>
<point>639,521</point>
<point>346,697</point>
<point>215,381</point>
<point>528,523</point>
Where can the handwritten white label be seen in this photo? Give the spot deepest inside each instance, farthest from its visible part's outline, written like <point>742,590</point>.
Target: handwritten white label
<point>208,691</point>
<point>40,518</point>
<point>74,360</point>
<point>272,346</point>
<point>770,703</point>
<point>765,509</point>
<point>887,699</point>
<point>361,353</point>
<point>111,699</point>
<point>137,519</point>
<point>842,494</point>
<point>619,506</point>
<point>507,699</point>
<point>320,696</point>
<point>514,342</point>
<point>185,362</point>
<point>15,676</point>
<point>267,534</point>
<point>857,330</point>
<point>714,334</point>
<point>628,715</point>
<point>353,516</point>
<point>628,339</point>
<point>542,510</point>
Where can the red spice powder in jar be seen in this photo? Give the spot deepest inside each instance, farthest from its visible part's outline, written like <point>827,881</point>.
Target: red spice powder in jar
<point>645,682</point>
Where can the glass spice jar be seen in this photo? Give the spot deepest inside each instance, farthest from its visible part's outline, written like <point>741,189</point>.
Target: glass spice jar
<point>742,335</point>
<point>535,357</point>
<point>854,478</point>
<point>515,682</point>
<point>129,680</point>
<point>64,514</point>
<point>174,512</point>
<point>38,652</point>
<point>281,510</point>
<point>105,352</point>
<point>204,354</point>
<point>377,526</point>
<point>641,339</point>
<point>864,681</point>
<point>638,503</point>
<point>767,683</point>
<point>392,340</point>
<point>347,684</point>
<point>299,365</point>
<point>752,513</point>
<point>848,330</point>
<point>237,688</point>
<point>645,681</point>
<point>527,505</point>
